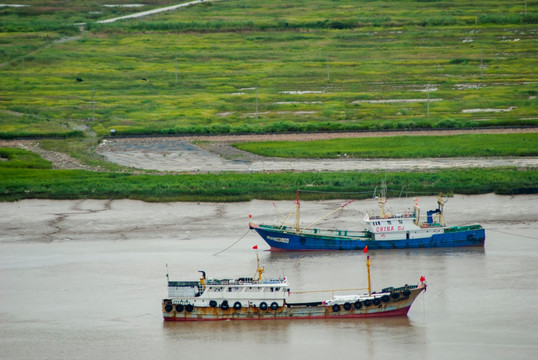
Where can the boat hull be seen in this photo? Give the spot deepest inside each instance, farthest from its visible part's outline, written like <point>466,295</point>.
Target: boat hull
<point>286,240</point>
<point>399,307</point>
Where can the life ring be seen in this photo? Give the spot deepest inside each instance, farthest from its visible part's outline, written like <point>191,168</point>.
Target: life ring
<point>224,305</point>
<point>406,293</point>
<point>367,302</point>
<point>179,308</point>
<point>237,305</point>
<point>168,307</point>
<point>274,306</point>
<point>357,305</point>
<point>376,301</point>
<point>213,303</point>
<point>336,308</point>
<point>395,295</point>
<point>189,308</point>
<point>263,305</point>
<point>347,306</point>
<point>385,298</point>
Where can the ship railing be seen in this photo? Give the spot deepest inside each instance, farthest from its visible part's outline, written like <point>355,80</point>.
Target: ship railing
<point>401,288</point>
<point>405,215</point>
<point>324,232</point>
<point>332,291</point>
<point>334,232</point>
<point>463,228</point>
<point>244,281</point>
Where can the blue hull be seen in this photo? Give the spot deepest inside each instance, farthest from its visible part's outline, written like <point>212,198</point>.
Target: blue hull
<point>283,240</point>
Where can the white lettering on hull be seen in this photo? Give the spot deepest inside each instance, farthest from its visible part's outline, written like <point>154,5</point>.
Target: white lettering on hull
<point>279,239</point>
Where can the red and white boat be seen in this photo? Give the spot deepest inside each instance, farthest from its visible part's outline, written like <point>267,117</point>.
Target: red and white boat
<point>248,298</point>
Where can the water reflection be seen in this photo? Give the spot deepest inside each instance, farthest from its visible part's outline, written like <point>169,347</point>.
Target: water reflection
<point>366,333</point>
<point>225,331</point>
<point>298,339</point>
<point>275,256</point>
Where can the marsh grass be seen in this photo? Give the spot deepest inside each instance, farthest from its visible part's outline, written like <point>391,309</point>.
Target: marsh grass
<point>20,184</point>
<point>475,145</point>
<point>20,158</point>
<point>376,50</point>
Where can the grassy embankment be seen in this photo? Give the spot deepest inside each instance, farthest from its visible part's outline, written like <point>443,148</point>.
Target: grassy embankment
<point>474,145</point>
<point>318,65</point>
<point>21,180</point>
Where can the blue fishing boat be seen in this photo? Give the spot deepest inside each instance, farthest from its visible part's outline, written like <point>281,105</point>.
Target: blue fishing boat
<point>383,231</point>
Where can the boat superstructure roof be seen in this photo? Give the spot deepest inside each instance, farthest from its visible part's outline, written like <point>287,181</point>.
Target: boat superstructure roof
<point>246,282</point>
<point>370,215</point>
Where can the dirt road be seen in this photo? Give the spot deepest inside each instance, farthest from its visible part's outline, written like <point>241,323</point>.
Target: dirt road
<point>215,154</point>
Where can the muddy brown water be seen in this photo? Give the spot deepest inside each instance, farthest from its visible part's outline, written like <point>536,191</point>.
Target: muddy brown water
<point>84,279</point>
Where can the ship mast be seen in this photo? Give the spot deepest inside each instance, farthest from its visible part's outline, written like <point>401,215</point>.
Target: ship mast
<point>382,200</point>
<point>417,213</point>
<point>297,208</point>
<point>368,269</point>
<point>440,206</point>
<point>259,269</point>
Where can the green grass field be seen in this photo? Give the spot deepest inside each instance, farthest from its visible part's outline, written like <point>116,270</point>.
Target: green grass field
<point>240,67</point>
<point>25,176</point>
<point>477,145</point>
<point>235,66</point>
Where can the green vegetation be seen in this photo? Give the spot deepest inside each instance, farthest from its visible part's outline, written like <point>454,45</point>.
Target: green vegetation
<point>83,150</point>
<point>63,16</point>
<point>18,158</point>
<point>16,125</point>
<point>252,67</point>
<point>235,66</point>
<point>20,184</point>
<point>477,145</point>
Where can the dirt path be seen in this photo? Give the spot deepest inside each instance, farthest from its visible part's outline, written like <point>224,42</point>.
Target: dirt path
<point>215,153</point>
<point>59,160</point>
<point>337,135</point>
<point>151,12</point>
<point>220,144</point>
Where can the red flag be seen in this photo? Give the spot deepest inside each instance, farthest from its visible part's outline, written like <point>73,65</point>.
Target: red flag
<point>255,247</point>
<point>366,249</point>
<point>422,278</point>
